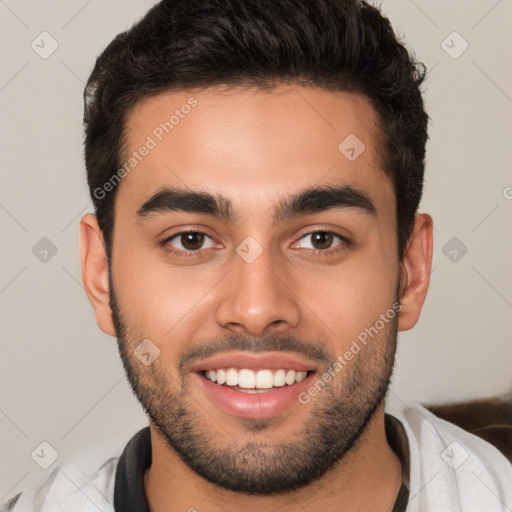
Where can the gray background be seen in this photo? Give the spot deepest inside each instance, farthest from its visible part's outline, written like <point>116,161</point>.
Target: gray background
<point>61,379</point>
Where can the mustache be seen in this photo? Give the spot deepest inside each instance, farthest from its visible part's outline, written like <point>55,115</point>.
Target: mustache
<point>274,342</point>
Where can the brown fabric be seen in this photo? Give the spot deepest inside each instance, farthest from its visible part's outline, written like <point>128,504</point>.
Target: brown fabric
<point>490,419</point>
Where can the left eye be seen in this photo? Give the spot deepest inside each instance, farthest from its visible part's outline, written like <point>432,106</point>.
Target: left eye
<point>322,240</point>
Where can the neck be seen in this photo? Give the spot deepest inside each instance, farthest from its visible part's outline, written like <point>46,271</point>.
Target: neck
<point>367,478</point>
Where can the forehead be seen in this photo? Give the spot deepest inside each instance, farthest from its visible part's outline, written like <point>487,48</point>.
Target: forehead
<point>250,144</point>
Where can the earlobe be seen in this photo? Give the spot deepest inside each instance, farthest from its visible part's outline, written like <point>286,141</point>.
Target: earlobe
<point>415,271</point>
<point>95,272</point>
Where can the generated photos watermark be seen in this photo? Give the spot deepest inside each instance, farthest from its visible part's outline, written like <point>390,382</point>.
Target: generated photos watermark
<point>152,141</point>
<point>356,346</point>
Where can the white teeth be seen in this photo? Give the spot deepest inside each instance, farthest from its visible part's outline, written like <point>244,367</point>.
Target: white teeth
<point>279,378</point>
<point>250,380</point>
<point>264,379</point>
<point>221,376</point>
<point>247,379</point>
<point>300,376</point>
<point>290,377</point>
<point>253,391</point>
<point>231,377</point>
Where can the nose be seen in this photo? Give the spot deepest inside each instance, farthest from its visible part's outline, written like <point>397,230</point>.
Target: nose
<point>256,298</point>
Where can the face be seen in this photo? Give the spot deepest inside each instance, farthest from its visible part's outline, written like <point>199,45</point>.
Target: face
<point>268,279</point>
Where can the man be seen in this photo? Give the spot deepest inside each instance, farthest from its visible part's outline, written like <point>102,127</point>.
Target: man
<point>256,169</point>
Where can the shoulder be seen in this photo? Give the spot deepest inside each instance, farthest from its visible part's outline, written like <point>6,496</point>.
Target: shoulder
<point>452,469</point>
<point>85,485</point>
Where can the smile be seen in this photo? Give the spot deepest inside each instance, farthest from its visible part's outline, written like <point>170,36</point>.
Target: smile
<point>240,395</point>
<point>250,381</point>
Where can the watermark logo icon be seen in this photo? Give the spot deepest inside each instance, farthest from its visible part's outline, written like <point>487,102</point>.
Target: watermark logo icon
<point>44,455</point>
<point>454,45</point>
<point>44,250</point>
<point>249,250</point>
<point>352,147</point>
<point>454,455</point>
<point>44,45</point>
<point>147,352</point>
<point>454,250</point>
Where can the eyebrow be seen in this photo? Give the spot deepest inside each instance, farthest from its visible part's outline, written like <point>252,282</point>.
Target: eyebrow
<point>311,200</point>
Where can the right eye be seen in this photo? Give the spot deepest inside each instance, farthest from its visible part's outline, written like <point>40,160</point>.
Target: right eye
<point>185,242</point>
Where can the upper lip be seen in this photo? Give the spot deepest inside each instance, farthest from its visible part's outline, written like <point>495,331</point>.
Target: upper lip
<point>269,360</point>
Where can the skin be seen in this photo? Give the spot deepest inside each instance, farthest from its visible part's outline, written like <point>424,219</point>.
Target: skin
<point>255,148</point>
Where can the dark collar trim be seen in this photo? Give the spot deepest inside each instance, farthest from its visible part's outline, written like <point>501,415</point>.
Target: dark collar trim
<point>129,491</point>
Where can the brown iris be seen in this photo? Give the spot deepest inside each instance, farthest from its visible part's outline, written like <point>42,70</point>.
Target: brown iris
<point>322,239</point>
<point>192,241</point>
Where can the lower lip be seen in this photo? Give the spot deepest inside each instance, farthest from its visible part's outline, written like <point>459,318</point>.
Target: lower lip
<point>257,405</point>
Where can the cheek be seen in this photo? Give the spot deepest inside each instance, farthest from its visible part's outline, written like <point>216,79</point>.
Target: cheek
<point>159,301</point>
<point>350,297</point>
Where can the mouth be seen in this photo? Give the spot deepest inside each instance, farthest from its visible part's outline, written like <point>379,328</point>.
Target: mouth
<point>254,386</point>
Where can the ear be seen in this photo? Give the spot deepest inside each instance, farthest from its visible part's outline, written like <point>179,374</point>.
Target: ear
<point>95,272</point>
<point>415,272</point>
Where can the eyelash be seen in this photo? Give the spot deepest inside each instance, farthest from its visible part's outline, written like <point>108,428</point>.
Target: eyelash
<point>345,244</point>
